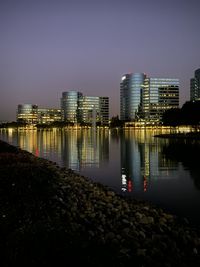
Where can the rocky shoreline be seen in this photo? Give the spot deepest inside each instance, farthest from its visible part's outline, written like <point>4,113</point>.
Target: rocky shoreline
<point>51,216</point>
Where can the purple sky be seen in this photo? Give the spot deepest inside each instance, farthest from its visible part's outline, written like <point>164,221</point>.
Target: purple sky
<point>51,46</point>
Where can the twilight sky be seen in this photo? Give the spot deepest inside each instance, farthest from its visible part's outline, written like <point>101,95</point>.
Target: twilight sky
<point>51,46</point>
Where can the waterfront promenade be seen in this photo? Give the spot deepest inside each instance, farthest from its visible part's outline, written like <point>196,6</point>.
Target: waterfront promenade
<point>51,216</point>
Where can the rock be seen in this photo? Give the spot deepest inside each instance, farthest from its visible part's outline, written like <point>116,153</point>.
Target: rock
<point>125,221</point>
<point>141,252</point>
<point>147,220</point>
<point>110,236</point>
<point>110,193</point>
<point>195,251</point>
<point>139,215</point>
<point>126,231</point>
<point>142,234</point>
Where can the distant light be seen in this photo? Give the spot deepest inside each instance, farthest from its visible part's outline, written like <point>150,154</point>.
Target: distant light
<point>123,78</point>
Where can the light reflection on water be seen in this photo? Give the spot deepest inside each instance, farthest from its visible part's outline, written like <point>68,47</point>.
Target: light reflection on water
<point>130,161</point>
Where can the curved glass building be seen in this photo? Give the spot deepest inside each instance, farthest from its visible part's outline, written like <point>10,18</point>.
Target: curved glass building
<point>124,89</point>
<point>134,95</point>
<point>130,95</point>
<point>77,108</point>
<point>69,106</point>
<point>145,99</point>
<point>27,113</point>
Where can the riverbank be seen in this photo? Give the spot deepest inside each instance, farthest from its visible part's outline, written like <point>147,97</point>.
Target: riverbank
<point>50,216</point>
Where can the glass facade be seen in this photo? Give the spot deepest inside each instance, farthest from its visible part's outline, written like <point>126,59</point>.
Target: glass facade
<point>124,89</point>
<point>134,95</point>
<point>75,108</point>
<point>195,86</point>
<point>27,113</point>
<point>144,98</point>
<point>48,115</point>
<point>130,95</point>
<point>84,109</point>
<point>87,106</point>
<point>104,110</point>
<point>69,106</point>
<point>161,94</point>
<point>31,114</point>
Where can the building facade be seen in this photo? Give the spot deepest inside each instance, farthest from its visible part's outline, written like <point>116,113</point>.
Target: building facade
<point>89,109</point>
<point>104,110</point>
<point>48,115</point>
<point>159,95</point>
<point>27,113</point>
<point>77,108</point>
<point>130,95</point>
<point>32,114</point>
<point>69,106</point>
<point>195,86</point>
<point>124,89</point>
<point>144,98</point>
<point>134,95</point>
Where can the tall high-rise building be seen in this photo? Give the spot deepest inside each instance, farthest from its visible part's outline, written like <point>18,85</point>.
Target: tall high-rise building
<point>144,98</point>
<point>195,86</point>
<point>134,95</point>
<point>104,110</point>
<point>82,109</point>
<point>124,89</point>
<point>87,106</point>
<point>69,105</point>
<point>130,95</point>
<point>159,95</point>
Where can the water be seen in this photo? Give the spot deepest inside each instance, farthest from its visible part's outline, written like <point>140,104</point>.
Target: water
<point>132,162</point>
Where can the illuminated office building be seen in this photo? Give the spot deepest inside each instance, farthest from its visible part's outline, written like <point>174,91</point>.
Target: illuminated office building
<point>88,106</point>
<point>48,115</point>
<point>158,95</point>
<point>145,99</point>
<point>31,114</point>
<point>124,89</point>
<point>195,86</point>
<point>27,113</point>
<point>84,109</point>
<point>69,105</point>
<point>130,95</point>
<point>104,110</point>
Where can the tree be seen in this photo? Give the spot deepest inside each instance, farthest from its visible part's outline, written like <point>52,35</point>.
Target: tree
<point>172,117</point>
<point>116,122</point>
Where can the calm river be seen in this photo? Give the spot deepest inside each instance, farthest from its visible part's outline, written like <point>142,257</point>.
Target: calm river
<point>132,162</point>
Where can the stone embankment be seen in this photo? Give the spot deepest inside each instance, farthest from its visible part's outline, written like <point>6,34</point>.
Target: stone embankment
<point>50,216</point>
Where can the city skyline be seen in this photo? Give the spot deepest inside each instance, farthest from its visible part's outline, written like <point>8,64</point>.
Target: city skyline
<point>48,47</point>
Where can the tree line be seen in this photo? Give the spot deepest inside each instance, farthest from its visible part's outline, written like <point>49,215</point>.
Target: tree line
<point>189,114</point>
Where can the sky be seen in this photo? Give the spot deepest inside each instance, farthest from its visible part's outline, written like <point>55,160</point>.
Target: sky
<point>51,46</point>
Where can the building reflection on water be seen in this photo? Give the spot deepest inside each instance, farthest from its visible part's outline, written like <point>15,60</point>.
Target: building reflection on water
<point>85,148</point>
<point>132,162</point>
<point>74,149</point>
<point>140,154</point>
<point>142,161</point>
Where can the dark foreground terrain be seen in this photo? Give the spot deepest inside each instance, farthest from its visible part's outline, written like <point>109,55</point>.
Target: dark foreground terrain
<point>50,216</point>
